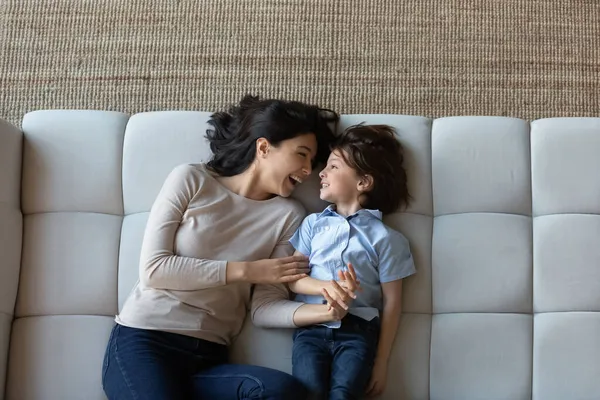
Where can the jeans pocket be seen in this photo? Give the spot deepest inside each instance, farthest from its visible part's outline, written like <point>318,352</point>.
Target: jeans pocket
<point>298,332</point>
<point>371,330</point>
<point>374,325</point>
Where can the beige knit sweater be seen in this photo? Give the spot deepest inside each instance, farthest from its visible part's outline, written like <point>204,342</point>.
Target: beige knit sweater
<point>195,226</point>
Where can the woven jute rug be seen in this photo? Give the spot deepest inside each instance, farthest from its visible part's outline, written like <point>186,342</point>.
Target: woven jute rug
<point>521,58</point>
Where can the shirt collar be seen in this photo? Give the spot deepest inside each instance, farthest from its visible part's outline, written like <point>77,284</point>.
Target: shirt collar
<point>330,210</point>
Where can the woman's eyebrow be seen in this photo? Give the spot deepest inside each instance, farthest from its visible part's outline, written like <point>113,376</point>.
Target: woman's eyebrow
<point>310,151</point>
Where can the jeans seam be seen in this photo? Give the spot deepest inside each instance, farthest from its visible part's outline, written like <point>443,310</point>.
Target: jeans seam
<point>106,360</point>
<point>125,376</point>
<point>256,380</point>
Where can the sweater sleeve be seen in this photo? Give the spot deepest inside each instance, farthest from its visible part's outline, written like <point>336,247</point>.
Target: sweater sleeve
<point>271,305</point>
<point>160,267</point>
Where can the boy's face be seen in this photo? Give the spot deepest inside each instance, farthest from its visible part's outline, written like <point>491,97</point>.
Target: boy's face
<point>340,184</point>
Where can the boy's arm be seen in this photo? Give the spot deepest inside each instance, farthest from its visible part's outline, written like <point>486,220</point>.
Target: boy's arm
<point>308,285</point>
<point>392,308</point>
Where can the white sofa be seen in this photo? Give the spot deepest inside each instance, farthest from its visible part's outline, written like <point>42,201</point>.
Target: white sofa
<point>504,227</point>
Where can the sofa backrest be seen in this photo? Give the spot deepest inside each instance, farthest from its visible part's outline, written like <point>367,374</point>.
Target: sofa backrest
<point>11,231</point>
<point>504,227</point>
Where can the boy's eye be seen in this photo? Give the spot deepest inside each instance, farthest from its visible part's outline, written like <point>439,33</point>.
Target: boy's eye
<point>304,155</point>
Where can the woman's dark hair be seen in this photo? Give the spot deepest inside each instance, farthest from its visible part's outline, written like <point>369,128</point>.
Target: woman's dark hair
<point>374,150</point>
<point>234,133</point>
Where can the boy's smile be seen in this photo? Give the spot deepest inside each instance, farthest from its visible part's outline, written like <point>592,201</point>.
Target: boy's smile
<point>340,184</point>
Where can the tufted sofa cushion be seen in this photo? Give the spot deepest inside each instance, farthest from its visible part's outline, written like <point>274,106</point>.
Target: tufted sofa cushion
<point>504,228</point>
<point>11,232</point>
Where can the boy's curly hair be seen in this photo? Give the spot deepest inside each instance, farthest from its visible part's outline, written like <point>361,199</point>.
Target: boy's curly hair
<point>374,150</point>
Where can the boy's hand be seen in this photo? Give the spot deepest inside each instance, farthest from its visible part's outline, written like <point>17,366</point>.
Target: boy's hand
<point>342,296</point>
<point>348,280</point>
<point>335,310</point>
<point>343,290</point>
<point>378,378</point>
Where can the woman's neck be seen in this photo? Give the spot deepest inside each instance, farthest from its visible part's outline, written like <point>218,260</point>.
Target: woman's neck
<point>245,185</point>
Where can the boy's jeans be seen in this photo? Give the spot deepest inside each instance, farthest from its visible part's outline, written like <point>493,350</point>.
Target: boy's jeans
<point>336,363</point>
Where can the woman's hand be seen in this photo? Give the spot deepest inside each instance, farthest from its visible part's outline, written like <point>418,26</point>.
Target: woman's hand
<point>277,270</point>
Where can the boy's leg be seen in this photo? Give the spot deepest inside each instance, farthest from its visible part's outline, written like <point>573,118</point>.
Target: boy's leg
<point>311,360</point>
<point>353,358</point>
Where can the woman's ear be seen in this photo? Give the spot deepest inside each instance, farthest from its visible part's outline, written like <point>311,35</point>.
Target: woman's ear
<point>262,147</point>
<point>365,183</point>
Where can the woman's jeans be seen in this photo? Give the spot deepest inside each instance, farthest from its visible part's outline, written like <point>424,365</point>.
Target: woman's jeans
<point>147,364</point>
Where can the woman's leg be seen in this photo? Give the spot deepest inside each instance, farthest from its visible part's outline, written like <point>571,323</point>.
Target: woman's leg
<point>237,381</point>
<point>145,364</point>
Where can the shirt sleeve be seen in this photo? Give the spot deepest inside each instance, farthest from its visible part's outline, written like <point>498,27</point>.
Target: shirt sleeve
<point>301,240</point>
<point>395,259</point>
<point>271,306</point>
<point>160,267</point>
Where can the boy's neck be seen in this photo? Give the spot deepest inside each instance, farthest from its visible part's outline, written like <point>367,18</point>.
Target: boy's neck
<point>345,210</point>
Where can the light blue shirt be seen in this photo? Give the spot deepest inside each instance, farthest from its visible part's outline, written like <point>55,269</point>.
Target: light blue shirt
<point>378,254</point>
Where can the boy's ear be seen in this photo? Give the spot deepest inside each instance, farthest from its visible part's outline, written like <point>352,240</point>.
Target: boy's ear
<point>365,183</point>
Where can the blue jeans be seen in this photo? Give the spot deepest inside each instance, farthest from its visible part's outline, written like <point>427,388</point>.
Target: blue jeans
<point>336,363</point>
<point>146,364</point>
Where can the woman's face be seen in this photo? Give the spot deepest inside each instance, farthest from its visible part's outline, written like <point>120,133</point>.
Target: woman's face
<point>288,164</point>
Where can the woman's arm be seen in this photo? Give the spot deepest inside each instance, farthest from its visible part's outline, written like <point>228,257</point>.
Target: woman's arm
<point>161,268</point>
<point>308,285</point>
<point>315,287</point>
<point>271,307</point>
<point>392,309</point>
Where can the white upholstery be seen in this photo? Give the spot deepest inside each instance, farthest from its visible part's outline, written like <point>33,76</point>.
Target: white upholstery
<point>480,164</point>
<point>72,162</point>
<point>482,263</point>
<point>564,246</point>
<point>504,227</point>
<point>69,264</point>
<point>155,143</point>
<point>57,357</point>
<point>11,231</point>
<point>481,356</point>
<point>565,356</point>
<point>565,165</point>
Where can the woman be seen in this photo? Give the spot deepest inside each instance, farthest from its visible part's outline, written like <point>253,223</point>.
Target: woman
<point>213,231</point>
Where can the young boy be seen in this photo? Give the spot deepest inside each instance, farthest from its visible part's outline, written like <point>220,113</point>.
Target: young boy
<point>363,179</point>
